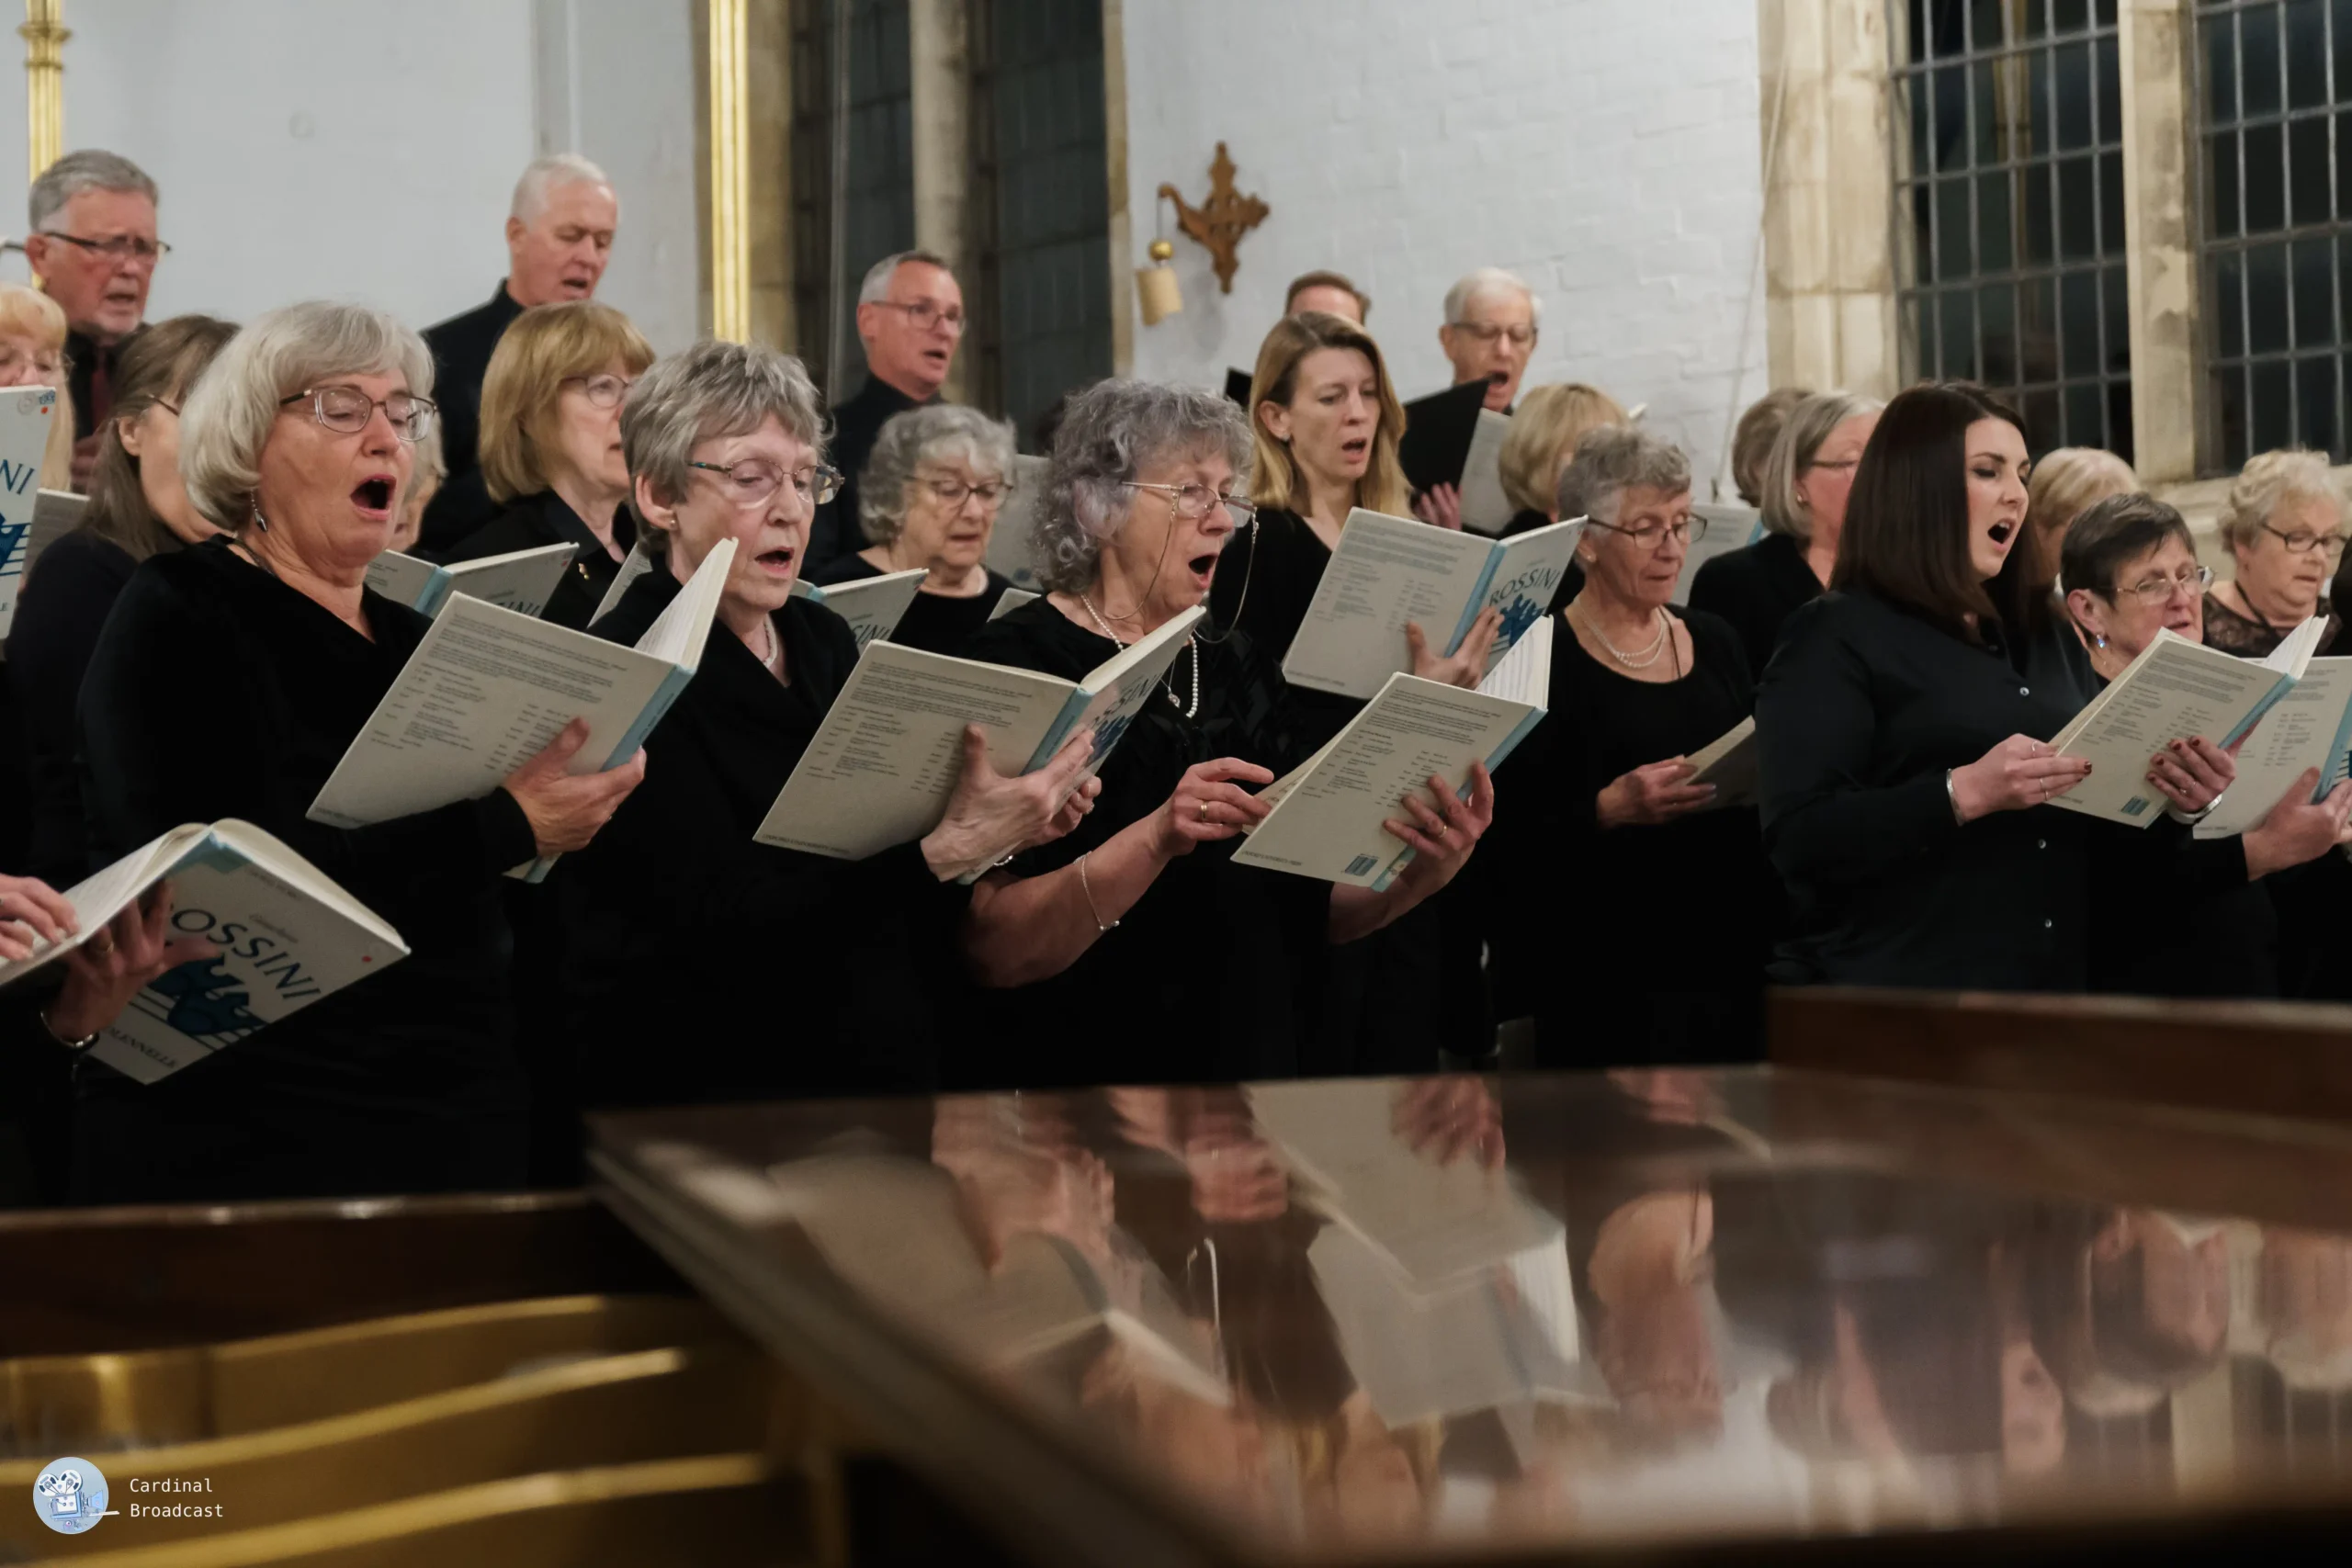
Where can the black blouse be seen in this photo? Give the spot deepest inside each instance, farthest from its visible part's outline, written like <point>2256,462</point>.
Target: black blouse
<point>547,519</point>
<point>936,623</point>
<point>64,603</point>
<point>1665,928</point>
<point>1263,586</point>
<point>218,691</point>
<point>1214,974</point>
<point>1858,717</point>
<point>1757,588</point>
<point>699,965</point>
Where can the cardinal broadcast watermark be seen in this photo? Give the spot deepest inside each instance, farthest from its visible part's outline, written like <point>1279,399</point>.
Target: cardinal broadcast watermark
<point>71,1495</point>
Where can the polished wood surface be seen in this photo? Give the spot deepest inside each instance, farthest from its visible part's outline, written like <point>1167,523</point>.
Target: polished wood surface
<point>2291,1059</point>
<point>1736,1316</point>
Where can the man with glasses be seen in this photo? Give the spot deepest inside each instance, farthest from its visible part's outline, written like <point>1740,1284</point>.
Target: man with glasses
<point>91,242</point>
<point>1489,332</point>
<point>559,236</point>
<point>909,319</point>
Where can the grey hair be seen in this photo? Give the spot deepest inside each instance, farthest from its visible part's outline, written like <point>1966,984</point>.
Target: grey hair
<point>908,441</point>
<point>2268,481</point>
<point>89,169</point>
<point>1809,424</point>
<point>1113,431</point>
<point>542,176</point>
<point>234,405</point>
<point>712,391</point>
<point>1613,460</point>
<point>877,287</point>
<point>1488,280</point>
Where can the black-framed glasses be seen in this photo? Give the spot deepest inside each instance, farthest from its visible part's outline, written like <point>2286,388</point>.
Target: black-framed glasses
<point>923,315</point>
<point>952,493</point>
<point>753,481</point>
<point>1487,331</point>
<point>603,391</point>
<point>347,411</point>
<point>1194,501</point>
<point>117,247</point>
<point>2154,591</point>
<point>2302,541</point>
<point>1685,530</point>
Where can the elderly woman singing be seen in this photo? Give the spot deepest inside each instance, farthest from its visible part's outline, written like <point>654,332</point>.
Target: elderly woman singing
<point>1140,952</point>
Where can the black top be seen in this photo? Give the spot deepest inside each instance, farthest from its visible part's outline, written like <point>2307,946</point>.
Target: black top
<point>1214,974</point>
<point>1858,717</point>
<point>699,965</point>
<point>87,358</point>
<point>2249,639</point>
<point>360,1090</point>
<point>936,623</point>
<point>532,521</point>
<point>856,422</point>
<point>1757,588</point>
<point>461,349</point>
<point>1670,924</point>
<point>63,605</point>
<point>1266,582</point>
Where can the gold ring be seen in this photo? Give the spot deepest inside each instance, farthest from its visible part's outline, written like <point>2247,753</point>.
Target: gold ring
<point>1204,811</point>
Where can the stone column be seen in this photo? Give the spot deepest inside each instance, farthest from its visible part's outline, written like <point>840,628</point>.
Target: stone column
<point>1829,201</point>
<point>940,81</point>
<point>2160,243</point>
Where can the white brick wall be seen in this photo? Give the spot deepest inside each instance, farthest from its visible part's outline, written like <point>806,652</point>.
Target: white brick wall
<point>1608,151</point>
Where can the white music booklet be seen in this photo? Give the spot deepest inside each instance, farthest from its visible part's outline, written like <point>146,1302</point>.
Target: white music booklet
<point>488,689</point>
<point>24,416</point>
<point>1728,762</point>
<point>1389,570</point>
<point>287,935</point>
<point>520,581</point>
<point>885,762</point>
<point>2176,689</point>
<point>1328,811</point>
<point>872,605</point>
<point>2310,726</point>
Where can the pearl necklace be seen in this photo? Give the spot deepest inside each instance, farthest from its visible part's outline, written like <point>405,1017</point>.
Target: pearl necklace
<point>1167,688</point>
<point>1642,661</point>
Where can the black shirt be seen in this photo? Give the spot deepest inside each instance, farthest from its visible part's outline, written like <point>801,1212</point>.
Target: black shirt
<point>217,690</point>
<point>700,964</point>
<point>856,422</point>
<point>532,521</point>
<point>1263,586</point>
<point>88,357</point>
<point>1639,943</point>
<point>1757,588</point>
<point>1212,974</point>
<point>64,603</point>
<point>461,349</point>
<point>936,623</point>
<point>1858,717</point>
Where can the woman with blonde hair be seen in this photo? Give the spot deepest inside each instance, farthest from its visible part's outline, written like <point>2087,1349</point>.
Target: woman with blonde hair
<point>2284,524</point>
<point>1543,440</point>
<point>551,446</point>
<point>2066,483</point>
<point>32,354</point>
<point>2048,649</point>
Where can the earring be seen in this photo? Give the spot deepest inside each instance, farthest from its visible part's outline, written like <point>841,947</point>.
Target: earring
<point>259,521</point>
<point>2098,639</point>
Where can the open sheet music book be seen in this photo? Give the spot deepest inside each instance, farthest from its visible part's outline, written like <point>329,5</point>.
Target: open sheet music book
<point>1390,570</point>
<point>55,513</point>
<point>1729,765</point>
<point>2174,690</point>
<point>872,605</point>
<point>1012,599</point>
<point>636,565</point>
<point>1010,540</point>
<point>488,689</point>
<point>1484,508</point>
<point>520,581</point>
<point>288,935</point>
<point>25,415</point>
<point>1327,814</point>
<point>885,762</point>
<point>1729,528</point>
<point>1439,432</point>
<point>2310,726</point>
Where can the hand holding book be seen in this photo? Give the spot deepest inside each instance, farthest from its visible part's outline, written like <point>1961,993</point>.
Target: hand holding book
<point>2016,776</point>
<point>104,972</point>
<point>991,815</point>
<point>1467,666</point>
<point>1652,794</point>
<point>565,809</point>
<point>2192,774</point>
<point>1441,832</point>
<point>1208,806</point>
<point>2299,829</point>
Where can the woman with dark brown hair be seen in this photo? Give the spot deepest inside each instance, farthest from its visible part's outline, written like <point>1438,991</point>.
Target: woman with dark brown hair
<point>138,508</point>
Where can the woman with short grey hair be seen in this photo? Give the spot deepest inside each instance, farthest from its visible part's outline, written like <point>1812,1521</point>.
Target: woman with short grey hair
<point>928,501</point>
<point>1605,832</point>
<point>1806,477</point>
<point>787,973</point>
<point>1135,948</point>
<point>299,440</point>
<point>2284,526</point>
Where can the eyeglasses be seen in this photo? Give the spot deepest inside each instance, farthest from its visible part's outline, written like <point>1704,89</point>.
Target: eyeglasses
<point>753,481</point>
<point>603,391</point>
<point>952,493</point>
<point>922,315</point>
<point>1487,331</point>
<point>50,364</point>
<point>347,411</point>
<point>2302,542</point>
<point>2155,590</point>
<point>1685,530</point>
<point>1194,501</point>
<point>117,247</point>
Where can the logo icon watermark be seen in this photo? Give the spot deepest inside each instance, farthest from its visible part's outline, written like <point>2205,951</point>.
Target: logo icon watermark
<point>70,1495</point>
